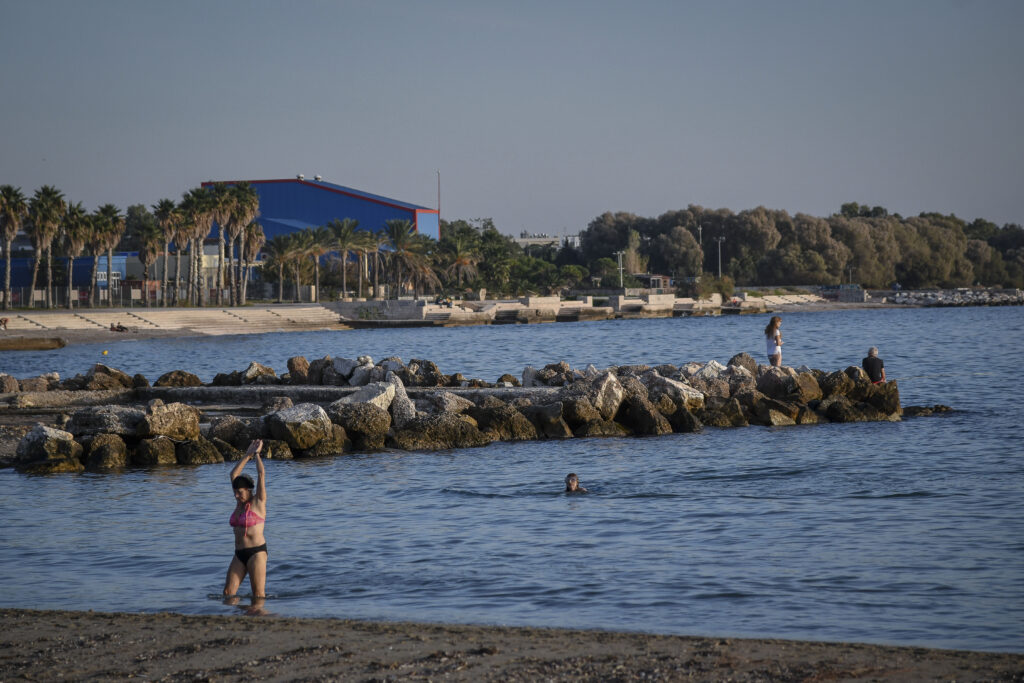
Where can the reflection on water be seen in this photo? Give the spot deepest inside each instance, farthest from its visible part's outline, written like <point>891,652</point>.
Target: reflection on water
<point>901,533</point>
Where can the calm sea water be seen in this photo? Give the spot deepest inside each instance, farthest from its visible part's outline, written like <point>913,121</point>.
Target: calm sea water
<point>906,533</point>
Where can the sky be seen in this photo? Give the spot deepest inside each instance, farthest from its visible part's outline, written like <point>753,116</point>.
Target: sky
<point>539,114</point>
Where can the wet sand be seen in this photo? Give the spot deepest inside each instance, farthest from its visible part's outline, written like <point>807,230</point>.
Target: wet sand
<point>75,646</point>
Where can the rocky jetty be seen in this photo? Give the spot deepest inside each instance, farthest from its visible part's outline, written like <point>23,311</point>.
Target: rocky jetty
<point>959,297</point>
<point>107,420</point>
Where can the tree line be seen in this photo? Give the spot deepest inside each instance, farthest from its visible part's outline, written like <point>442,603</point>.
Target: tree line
<point>702,249</point>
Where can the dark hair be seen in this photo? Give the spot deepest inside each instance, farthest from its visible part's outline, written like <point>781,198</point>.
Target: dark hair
<point>242,481</point>
<point>773,325</point>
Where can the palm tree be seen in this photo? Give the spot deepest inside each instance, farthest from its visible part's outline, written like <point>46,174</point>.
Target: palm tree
<point>462,260</point>
<point>363,243</point>
<point>377,242</point>
<point>278,249</point>
<point>300,245</point>
<point>77,233</point>
<point>345,241</point>
<point>253,240</point>
<point>45,210</point>
<point>167,218</point>
<point>182,243</point>
<point>112,231</point>
<point>198,208</point>
<point>13,211</point>
<point>221,206</point>
<point>322,243</point>
<point>245,209</point>
<point>96,242</point>
<point>150,239</point>
<point>400,234</point>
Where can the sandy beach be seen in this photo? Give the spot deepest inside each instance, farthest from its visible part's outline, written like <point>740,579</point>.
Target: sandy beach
<point>78,646</point>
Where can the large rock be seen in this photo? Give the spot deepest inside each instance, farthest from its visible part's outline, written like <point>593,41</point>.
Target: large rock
<point>228,428</point>
<point>836,383</point>
<point>30,384</point>
<point>259,374</point>
<point>606,394</point>
<point>8,384</point>
<point>556,374</point>
<point>885,397</point>
<point>842,409</point>
<point>679,392</point>
<point>775,382</point>
<point>103,377</point>
<point>343,367</point>
<point>727,413</point>
<point>178,378</point>
<point>361,375</point>
<point>547,420</point>
<point>178,421</point>
<point>577,410</point>
<point>379,394</point>
<point>197,452</point>
<point>403,410</point>
<point>227,451</point>
<point>365,424</point>
<point>447,402</point>
<point>427,373</point>
<point>112,419</point>
<point>107,452</point>
<point>315,373</point>
<point>438,432</point>
<point>335,443</point>
<point>746,361</point>
<point>642,417</point>
<point>805,388</point>
<point>501,422</point>
<point>154,452</point>
<point>713,387</point>
<point>298,370</point>
<point>302,426</point>
<point>45,450</point>
<point>276,450</point>
<point>228,379</point>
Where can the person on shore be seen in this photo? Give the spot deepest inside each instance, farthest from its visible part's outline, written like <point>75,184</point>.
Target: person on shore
<point>247,523</point>
<point>874,366</point>
<point>773,340</point>
<point>572,484</point>
<point>3,323</point>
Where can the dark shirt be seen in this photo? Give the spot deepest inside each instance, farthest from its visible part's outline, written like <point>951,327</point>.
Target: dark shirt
<point>873,366</point>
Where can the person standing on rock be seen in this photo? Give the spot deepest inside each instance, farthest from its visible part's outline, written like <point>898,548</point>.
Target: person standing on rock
<point>773,339</point>
<point>247,523</point>
<point>874,366</point>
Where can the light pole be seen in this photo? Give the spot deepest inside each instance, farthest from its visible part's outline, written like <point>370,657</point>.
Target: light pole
<point>700,236</point>
<point>619,254</point>
<point>720,239</point>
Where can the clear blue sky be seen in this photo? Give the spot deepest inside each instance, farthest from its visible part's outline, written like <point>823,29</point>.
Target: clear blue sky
<point>541,114</point>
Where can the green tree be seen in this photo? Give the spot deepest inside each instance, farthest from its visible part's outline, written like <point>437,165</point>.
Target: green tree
<point>345,240</point>
<point>167,219</point>
<point>110,225</point>
<point>13,212</point>
<point>77,231</point>
<point>252,241</point>
<point>45,212</point>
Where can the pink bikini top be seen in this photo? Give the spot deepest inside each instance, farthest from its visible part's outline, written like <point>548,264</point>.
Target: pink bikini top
<point>245,520</point>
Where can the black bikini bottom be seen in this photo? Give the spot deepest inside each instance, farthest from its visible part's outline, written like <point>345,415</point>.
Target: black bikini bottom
<point>245,554</point>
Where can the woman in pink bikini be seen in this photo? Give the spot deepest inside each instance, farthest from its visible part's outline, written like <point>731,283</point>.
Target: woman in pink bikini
<point>247,523</point>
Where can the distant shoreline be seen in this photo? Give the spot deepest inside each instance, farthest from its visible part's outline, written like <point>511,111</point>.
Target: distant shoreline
<point>99,336</point>
<point>47,645</point>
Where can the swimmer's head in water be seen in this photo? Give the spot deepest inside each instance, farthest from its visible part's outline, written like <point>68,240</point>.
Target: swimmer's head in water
<point>242,481</point>
<point>571,481</point>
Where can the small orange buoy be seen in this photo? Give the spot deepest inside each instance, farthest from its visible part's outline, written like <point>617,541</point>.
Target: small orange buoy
<point>104,352</point>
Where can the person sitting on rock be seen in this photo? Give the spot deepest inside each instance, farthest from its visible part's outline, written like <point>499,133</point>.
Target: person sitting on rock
<point>572,484</point>
<point>118,327</point>
<point>874,366</point>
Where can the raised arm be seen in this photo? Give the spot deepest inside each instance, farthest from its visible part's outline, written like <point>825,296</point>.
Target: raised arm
<point>254,449</point>
<point>261,475</point>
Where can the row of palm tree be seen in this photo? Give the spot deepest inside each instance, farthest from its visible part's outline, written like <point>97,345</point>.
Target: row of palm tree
<point>404,258</point>
<point>49,220</point>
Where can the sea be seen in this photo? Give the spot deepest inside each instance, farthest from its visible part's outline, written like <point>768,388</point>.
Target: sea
<point>907,533</point>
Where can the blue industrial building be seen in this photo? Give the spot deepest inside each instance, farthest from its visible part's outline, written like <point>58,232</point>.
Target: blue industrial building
<point>21,270</point>
<point>289,205</point>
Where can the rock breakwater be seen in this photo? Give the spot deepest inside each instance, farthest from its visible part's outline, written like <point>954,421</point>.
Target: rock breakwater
<point>106,419</point>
